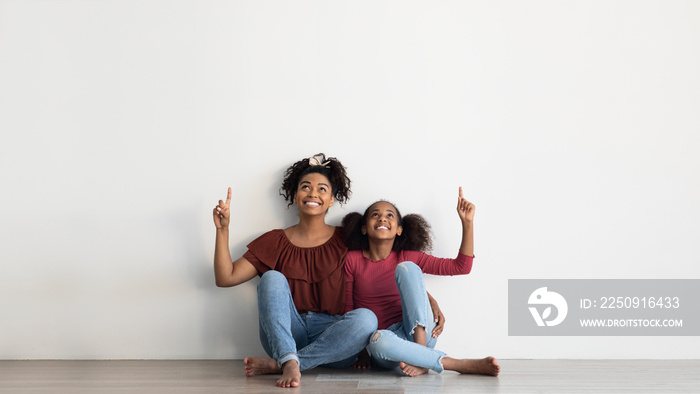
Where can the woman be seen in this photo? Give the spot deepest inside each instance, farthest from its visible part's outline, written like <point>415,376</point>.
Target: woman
<point>301,290</point>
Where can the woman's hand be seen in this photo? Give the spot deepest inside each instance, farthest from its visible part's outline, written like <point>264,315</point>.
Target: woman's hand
<point>222,212</point>
<point>364,361</point>
<point>437,314</point>
<point>465,209</point>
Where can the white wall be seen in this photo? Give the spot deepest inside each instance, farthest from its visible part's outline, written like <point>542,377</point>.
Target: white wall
<point>573,126</point>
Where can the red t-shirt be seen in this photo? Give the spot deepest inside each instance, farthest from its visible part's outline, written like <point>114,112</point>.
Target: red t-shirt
<point>315,274</point>
<point>370,284</point>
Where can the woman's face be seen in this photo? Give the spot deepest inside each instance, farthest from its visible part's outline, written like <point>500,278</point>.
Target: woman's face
<point>314,195</point>
<point>382,222</point>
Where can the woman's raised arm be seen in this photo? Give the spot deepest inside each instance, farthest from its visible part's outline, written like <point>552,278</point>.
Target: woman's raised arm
<point>227,272</point>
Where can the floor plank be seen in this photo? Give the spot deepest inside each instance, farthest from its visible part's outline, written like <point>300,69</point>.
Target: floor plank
<point>226,376</point>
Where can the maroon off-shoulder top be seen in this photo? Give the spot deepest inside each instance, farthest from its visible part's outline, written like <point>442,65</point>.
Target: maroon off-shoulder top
<point>315,275</point>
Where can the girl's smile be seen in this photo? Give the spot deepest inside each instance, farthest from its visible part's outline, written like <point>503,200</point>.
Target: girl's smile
<point>382,222</point>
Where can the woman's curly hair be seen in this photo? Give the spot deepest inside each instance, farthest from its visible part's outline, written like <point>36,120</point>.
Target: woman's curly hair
<point>415,236</point>
<point>330,167</point>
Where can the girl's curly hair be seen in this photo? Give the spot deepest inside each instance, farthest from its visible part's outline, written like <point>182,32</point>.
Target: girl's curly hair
<point>330,167</point>
<point>416,234</point>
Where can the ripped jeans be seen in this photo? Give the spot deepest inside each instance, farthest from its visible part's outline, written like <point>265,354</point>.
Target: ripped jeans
<point>389,347</point>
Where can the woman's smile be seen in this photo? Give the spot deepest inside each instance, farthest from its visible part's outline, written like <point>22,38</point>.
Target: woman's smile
<point>314,192</point>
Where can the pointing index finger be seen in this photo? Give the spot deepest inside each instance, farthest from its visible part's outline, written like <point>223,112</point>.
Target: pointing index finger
<point>228,196</point>
<point>460,192</point>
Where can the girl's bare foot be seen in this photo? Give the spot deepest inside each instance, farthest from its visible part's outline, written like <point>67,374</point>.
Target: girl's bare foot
<point>291,376</point>
<point>260,366</point>
<point>484,366</point>
<point>412,370</point>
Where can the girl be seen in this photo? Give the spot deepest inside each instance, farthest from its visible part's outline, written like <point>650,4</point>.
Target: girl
<point>383,272</point>
<point>300,294</point>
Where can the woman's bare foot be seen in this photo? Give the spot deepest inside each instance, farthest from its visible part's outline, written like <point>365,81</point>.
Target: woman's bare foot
<point>260,366</point>
<point>412,370</point>
<point>484,366</point>
<point>291,376</point>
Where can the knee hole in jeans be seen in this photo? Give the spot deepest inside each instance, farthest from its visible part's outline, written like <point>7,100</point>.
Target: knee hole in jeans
<point>406,268</point>
<point>407,265</point>
<point>375,337</point>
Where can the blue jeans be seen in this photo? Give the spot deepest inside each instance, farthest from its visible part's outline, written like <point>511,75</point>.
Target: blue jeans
<point>388,347</point>
<point>312,339</point>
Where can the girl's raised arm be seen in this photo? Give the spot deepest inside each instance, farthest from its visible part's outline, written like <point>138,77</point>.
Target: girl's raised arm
<point>466,210</point>
<point>228,273</point>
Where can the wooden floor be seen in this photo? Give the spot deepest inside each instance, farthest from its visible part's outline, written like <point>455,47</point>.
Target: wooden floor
<point>208,376</point>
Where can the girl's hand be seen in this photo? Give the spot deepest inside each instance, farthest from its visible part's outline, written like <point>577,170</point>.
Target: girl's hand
<point>465,209</point>
<point>222,212</point>
<point>439,317</point>
<point>440,322</point>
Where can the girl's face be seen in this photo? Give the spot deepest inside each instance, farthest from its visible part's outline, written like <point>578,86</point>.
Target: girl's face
<point>314,196</point>
<point>382,222</point>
